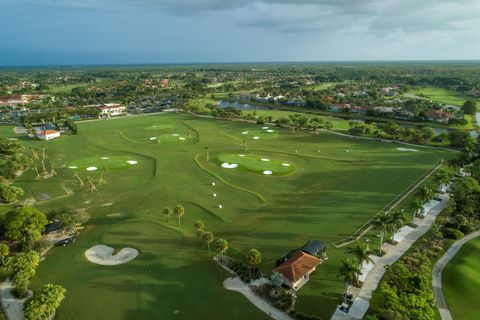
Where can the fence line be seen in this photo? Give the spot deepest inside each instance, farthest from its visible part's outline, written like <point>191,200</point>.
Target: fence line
<point>361,231</point>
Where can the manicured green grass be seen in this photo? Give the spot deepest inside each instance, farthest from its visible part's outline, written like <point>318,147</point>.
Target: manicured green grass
<point>170,137</point>
<point>443,96</point>
<point>64,88</point>
<point>325,85</point>
<point>159,127</point>
<point>256,163</point>
<point>329,195</point>
<point>461,281</point>
<point>102,162</point>
<point>256,133</point>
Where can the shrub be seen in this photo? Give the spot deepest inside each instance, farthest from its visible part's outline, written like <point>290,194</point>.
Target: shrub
<point>452,233</point>
<point>242,270</point>
<point>277,297</point>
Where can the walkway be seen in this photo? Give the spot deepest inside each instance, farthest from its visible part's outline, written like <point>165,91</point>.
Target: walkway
<point>437,274</point>
<point>12,306</point>
<point>361,303</point>
<point>236,284</point>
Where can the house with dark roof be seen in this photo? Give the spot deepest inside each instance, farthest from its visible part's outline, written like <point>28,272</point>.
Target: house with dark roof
<point>297,268</point>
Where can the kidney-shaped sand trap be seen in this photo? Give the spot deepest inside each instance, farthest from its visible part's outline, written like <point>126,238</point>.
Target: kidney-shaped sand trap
<point>101,254</point>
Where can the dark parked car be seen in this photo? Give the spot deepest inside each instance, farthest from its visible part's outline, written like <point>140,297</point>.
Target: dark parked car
<point>66,241</point>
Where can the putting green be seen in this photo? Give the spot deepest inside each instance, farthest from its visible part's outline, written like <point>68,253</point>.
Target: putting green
<point>169,138</point>
<point>255,163</point>
<point>99,162</point>
<point>259,134</point>
<point>160,127</point>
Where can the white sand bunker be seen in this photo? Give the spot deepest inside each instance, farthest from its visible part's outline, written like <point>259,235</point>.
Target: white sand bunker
<point>153,138</point>
<point>105,158</point>
<point>132,162</point>
<point>407,149</point>
<point>286,164</point>
<point>245,132</point>
<point>256,138</point>
<point>92,168</point>
<point>264,128</point>
<point>175,134</point>
<point>269,130</point>
<point>72,167</point>
<point>182,138</point>
<point>101,254</point>
<point>265,159</point>
<point>227,165</point>
<point>241,155</point>
<point>267,172</point>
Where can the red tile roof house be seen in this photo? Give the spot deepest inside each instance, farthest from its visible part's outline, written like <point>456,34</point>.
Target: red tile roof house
<point>48,134</point>
<point>296,270</point>
<point>439,115</point>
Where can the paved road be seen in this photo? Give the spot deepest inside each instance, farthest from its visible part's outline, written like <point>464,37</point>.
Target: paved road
<point>236,284</point>
<point>361,303</point>
<point>437,274</point>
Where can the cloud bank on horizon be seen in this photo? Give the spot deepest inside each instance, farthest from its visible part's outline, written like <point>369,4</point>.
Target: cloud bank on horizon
<point>155,31</point>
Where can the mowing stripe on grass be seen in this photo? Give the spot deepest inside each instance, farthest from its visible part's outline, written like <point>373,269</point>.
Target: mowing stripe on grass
<point>208,211</point>
<point>258,195</point>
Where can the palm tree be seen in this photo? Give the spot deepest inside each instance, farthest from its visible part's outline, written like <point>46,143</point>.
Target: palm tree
<point>442,177</point>
<point>416,205</point>
<point>348,271</point>
<point>200,233</point>
<point>167,212</point>
<point>208,237</point>
<point>362,254</point>
<point>179,212</point>
<point>254,258</point>
<point>383,223</point>
<point>425,193</point>
<point>199,225</point>
<point>222,247</point>
<point>398,220</point>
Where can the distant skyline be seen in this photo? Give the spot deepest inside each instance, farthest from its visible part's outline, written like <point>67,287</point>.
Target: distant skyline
<point>89,32</point>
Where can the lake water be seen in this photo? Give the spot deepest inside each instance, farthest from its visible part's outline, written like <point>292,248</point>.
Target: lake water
<point>240,106</point>
<point>245,106</point>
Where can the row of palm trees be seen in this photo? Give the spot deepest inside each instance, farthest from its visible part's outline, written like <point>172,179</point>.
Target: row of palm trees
<point>388,222</point>
<point>208,237</point>
<point>385,222</point>
<point>253,257</point>
<point>179,211</point>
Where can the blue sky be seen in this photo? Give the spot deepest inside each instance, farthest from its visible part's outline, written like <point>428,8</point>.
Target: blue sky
<point>56,32</point>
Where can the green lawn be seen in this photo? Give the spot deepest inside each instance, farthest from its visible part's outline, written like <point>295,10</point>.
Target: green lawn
<point>64,88</point>
<point>461,280</point>
<point>336,185</point>
<point>443,96</point>
<point>325,85</point>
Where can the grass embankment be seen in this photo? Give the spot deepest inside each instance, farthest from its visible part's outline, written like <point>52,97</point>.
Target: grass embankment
<point>461,280</point>
<point>444,96</point>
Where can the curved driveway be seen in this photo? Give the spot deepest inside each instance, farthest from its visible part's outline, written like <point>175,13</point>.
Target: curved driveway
<point>437,274</point>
